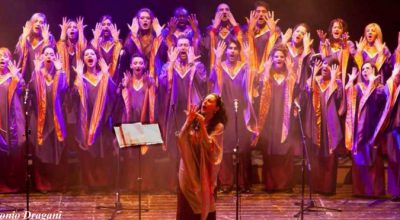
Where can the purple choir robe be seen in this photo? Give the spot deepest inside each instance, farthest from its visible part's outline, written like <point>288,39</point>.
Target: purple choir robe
<point>94,130</point>
<point>323,128</point>
<point>47,123</point>
<point>12,168</point>
<point>363,115</point>
<point>235,87</point>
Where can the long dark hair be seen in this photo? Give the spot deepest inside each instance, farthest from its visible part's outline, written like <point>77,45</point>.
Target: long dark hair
<point>219,116</point>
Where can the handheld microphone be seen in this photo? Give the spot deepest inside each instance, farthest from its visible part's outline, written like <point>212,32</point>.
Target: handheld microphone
<point>236,105</point>
<point>196,123</point>
<point>297,105</point>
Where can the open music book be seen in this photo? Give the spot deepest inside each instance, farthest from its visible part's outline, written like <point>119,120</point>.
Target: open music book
<point>138,134</point>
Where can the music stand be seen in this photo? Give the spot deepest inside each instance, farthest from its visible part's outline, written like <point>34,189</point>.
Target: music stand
<point>138,135</point>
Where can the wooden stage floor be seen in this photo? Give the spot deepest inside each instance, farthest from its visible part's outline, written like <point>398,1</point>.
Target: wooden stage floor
<point>258,205</point>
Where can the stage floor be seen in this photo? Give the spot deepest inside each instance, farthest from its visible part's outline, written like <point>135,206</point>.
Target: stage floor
<point>258,205</point>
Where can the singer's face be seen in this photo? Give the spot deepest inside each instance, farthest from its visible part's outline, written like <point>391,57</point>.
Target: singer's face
<point>105,27</point>
<point>4,59</point>
<point>209,105</point>
<point>137,65</point>
<point>325,70</point>
<point>183,45</point>
<point>337,30</point>
<point>90,58</point>
<point>38,23</point>
<point>232,52</point>
<point>49,55</point>
<point>298,34</point>
<point>262,11</point>
<point>144,20</point>
<point>371,33</point>
<point>72,30</point>
<point>367,70</point>
<point>224,10</point>
<point>278,59</point>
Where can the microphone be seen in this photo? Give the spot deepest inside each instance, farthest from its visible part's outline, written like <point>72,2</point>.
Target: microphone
<point>297,105</point>
<point>236,105</point>
<point>196,123</point>
<point>26,96</point>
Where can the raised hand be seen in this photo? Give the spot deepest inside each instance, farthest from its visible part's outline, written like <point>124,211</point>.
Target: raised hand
<point>156,26</point>
<point>193,22</point>
<point>353,76</point>
<point>57,62</point>
<point>361,44</point>
<point>270,20</point>
<point>114,32</point>
<point>217,20</point>
<point>38,62</point>
<point>97,32</point>
<point>232,19</point>
<point>64,27</point>
<point>46,32</point>
<point>192,56</point>
<point>104,67</point>
<point>191,114</point>
<point>307,44</point>
<point>134,27</point>
<point>252,22</point>
<point>14,69</point>
<point>344,38</point>
<point>396,69</point>
<point>267,70</point>
<point>317,67</point>
<point>173,54</point>
<point>79,68</point>
<point>126,80</point>
<point>26,30</point>
<point>379,45</point>
<point>335,71</point>
<point>289,63</point>
<point>286,37</point>
<point>321,35</point>
<point>220,50</point>
<point>79,23</point>
<point>172,24</point>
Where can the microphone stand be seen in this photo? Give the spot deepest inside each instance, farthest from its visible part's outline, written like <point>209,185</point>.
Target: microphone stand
<point>28,153</point>
<point>306,156</point>
<point>236,158</point>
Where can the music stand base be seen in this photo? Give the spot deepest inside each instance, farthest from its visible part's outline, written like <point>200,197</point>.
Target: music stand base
<point>311,207</point>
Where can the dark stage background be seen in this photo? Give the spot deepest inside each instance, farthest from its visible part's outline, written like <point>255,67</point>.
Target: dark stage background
<point>317,13</point>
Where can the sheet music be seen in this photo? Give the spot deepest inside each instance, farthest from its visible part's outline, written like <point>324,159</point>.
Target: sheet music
<point>138,134</point>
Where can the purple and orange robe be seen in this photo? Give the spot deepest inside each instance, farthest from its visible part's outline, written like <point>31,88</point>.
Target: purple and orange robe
<point>233,85</point>
<point>323,128</point>
<point>380,60</point>
<point>136,109</point>
<point>275,127</point>
<point>12,169</point>
<point>364,109</point>
<point>388,134</point>
<point>110,52</point>
<point>186,87</point>
<point>96,109</point>
<point>345,55</point>
<point>26,52</point>
<point>47,123</point>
